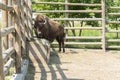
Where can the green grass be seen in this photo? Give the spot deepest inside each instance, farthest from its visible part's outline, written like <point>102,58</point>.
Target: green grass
<point>10,73</point>
<point>89,33</point>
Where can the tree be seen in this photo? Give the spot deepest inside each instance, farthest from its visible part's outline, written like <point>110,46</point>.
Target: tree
<point>82,15</point>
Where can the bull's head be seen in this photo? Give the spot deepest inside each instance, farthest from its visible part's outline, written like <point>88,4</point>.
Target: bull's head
<point>39,23</point>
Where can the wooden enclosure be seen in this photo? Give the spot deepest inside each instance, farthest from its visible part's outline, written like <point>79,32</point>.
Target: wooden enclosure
<point>74,38</point>
<point>16,29</point>
<point>14,34</point>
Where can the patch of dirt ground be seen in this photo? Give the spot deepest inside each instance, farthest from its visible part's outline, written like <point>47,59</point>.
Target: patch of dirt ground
<point>88,65</point>
<point>79,64</point>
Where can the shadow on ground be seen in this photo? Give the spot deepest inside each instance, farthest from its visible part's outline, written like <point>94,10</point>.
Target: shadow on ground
<point>39,69</point>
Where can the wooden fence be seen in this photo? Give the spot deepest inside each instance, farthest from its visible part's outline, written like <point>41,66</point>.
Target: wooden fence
<point>96,40</point>
<point>15,32</point>
<point>17,29</point>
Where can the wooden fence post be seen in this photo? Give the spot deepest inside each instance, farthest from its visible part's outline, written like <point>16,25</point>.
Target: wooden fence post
<point>1,60</point>
<point>4,25</point>
<point>10,24</point>
<point>17,36</point>
<point>103,26</point>
<point>23,31</point>
<point>66,15</point>
<point>30,17</point>
<point>26,19</point>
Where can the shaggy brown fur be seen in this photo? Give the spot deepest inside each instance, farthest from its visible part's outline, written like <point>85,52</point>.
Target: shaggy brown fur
<point>49,29</point>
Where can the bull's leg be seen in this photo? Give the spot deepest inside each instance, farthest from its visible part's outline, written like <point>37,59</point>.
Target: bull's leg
<point>58,40</point>
<point>63,45</point>
<point>59,46</point>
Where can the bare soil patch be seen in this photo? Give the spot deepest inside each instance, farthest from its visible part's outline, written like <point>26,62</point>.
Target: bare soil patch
<point>82,64</point>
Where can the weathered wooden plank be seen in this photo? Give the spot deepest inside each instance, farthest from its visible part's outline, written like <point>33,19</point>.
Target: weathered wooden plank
<point>111,7</point>
<point>68,11</point>
<point>83,37</point>
<point>8,65</point>
<point>84,28</point>
<point>113,22</point>
<point>113,47</point>
<point>81,43</point>
<point>24,30</point>
<point>103,25</point>
<point>114,14</point>
<point>30,17</point>
<point>70,4</point>
<point>78,19</point>
<point>18,35</point>
<point>113,31</point>
<point>75,19</point>
<point>4,25</point>
<point>6,31</point>
<point>5,7</point>
<point>10,23</point>
<point>66,14</point>
<point>8,53</point>
<point>113,40</point>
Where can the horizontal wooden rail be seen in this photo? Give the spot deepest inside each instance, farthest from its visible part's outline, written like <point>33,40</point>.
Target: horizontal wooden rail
<point>6,31</point>
<point>77,19</point>
<point>113,31</point>
<point>113,47</point>
<point>81,43</point>
<point>114,7</point>
<point>113,22</point>
<point>84,28</point>
<point>83,37</point>
<point>68,11</point>
<point>5,7</point>
<point>8,65</point>
<point>113,40</point>
<point>8,53</point>
<point>115,14</point>
<point>70,4</point>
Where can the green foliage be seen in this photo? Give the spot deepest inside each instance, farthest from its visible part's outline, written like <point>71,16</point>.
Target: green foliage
<point>111,17</point>
<point>80,15</point>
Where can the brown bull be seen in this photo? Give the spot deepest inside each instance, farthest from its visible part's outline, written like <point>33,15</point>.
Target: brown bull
<point>49,29</point>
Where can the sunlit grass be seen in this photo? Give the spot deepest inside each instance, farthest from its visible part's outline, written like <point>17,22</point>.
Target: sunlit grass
<point>90,33</point>
<point>10,73</point>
